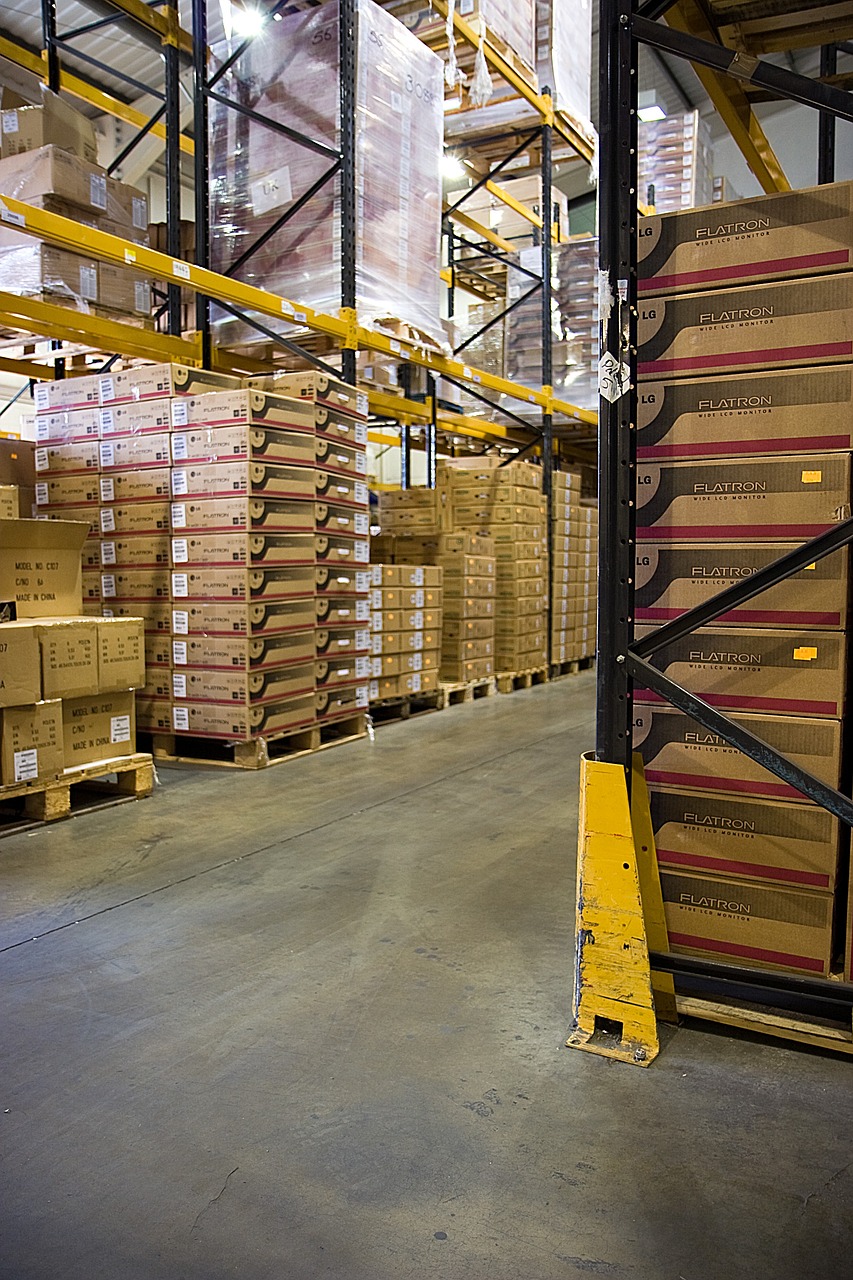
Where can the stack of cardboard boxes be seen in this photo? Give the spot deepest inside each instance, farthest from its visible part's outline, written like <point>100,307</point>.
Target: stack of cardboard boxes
<point>66,680</point>
<point>405,621</point>
<point>734,470</point>
<point>674,162</point>
<point>234,520</point>
<point>574,571</point>
<point>49,160</point>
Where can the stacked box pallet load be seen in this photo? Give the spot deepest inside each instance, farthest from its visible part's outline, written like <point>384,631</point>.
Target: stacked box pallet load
<point>574,572</point>
<point>67,681</point>
<point>406,618</point>
<point>503,501</point>
<point>674,163</point>
<point>290,80</point>
<point>734,469</point>
<point>49,160</point>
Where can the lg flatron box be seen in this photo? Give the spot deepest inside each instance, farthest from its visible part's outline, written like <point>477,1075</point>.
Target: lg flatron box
<point>743,921</point>
<point>752,839</point>
<point>800,673</point>
<point>765,499</point>
<point>678,751</point>
<point>786,411</point>
<point>764,326</point>
<point>672,578</point>
<point>769,237</point>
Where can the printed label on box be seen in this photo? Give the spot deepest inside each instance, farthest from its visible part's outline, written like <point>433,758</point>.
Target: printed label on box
<point>373,690</point>
<point>108,585</point>
<point>139,213</point>
<point>376,646</point>
<point>42,431</point>
<point>179,685</point>
<point>41,494</point>
<point>108,553</point>
<point>362,581</point>
<point>41,460</point>
<point>108,489</point>
<point>180,550</point>
<point>89,283</point>
<point>362,668</point>
<point>98,190</point>
<point>179,653</point>
<point>179,483</point>
<point>180,586</point>
<point>361,494</point>
<point>361,696</point>
<point>107,421</point>
<point>10,121</point>
<point>119,728</point>
<point>180,622</point>
<point>361,523</point>
<point>180,414</point>
<point>362,552</point>
<point>108,455</point>
<point>179,515</point>
<point>179,448</point>
<point>42,397</point>
<point>26,765</point>
<point>272,191</point>
<point>106,388</point>
<point>108,520</point>
<point>180,718</point>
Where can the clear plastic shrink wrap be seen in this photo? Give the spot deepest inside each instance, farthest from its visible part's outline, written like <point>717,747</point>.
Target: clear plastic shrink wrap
<point>291,76</point>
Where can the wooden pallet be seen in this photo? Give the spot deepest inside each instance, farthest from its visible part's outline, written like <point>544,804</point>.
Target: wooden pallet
<point>813,1032</point>
<point>571,667</point>
<point>510,681</point>
<point>457,691</point>
<point>257,753</point>
<point>86,787</point>
<point>387,710</point>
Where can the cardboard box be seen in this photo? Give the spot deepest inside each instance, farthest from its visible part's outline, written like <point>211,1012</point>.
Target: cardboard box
<point>770,237</point>
<point>82,455</point>
<point>340,703</point>
<point>454,629</point>
<point>334,518</point>
<point>467,650</point>
<point>146,485</point>
<point>466,470</point>
<point>240,443</point>
<point>156,615</point>
<point>235,479</point>
<point>343,578</point>
<point>243,687</point>
<point>764,326</point>
<point>403,641</point>
<point>121,654</point>
<point>243,514</point>
<point>413,683</point>
<point>31,745</point>
<point>741,921</point>
<point>40,569</point>
<point>775,411</point>
<point>133,518</point>
<point>247,407</point>
<point>397,664</point>
<point>134,552</point>
<point>9,502</point>
<point>51,121</point>
<point>239,722</point>
<point>241,653</point>
<point>258,618</point>
<point>672,578</point>
<point>135,418</point>
<point>333,455</point>
<point>465,671</point>
<point>333,641</point>
<point>158,381</point>
<point>336,673</point>
<point>98,728</point>
<point>800,673</point>
<point>336,549</point>
<point>20,664</point>
<point>53,171</point>
<point>66,394</point>
<point>766,499</point>
<point>135,584</point>
<point>232,550</point>
<point>677,751</point>
<point>468,607</point>
<point>403,575</point>
<point>69,657</point>
<point>405,619</point>
<point>318,388</point>
<point>339,426</point>
<point>745,837</point>
<point>243,583</point>
<point>344,611</point>
<point>149,449</point>
<point>336,487</point>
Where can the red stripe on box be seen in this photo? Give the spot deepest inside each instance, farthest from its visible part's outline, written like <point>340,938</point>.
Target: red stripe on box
<point>746,270</point>
<point>784,617</point>
<point>725,447</point>
<point>756,704</point>
<point>725,358</point>
<point>713,783</point>
<point>748,953</point>
<point>744,868</point>
<point>726,532</point>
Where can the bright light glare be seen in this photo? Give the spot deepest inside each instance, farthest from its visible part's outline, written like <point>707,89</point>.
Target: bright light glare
<point>648,114</point>
<point>452,166</point>
<point>247,22</point>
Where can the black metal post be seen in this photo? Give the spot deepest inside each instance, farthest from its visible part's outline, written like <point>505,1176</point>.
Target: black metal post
<point>617,196</point>
<point>405,376</point>
<point>348,203</point>
<point>431,431</point>
<point>547,370</point>
<point>451,267</point>
<point>172,70</point>
<point>202,170</point>
<point>48,27</point>
<point>826,121</point>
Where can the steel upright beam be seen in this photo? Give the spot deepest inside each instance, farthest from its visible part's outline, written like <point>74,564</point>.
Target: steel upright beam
<point>617,199</point>
<point>348,202</point>
<point>172,69</point>
<point>431,431</point>
<point>826,121</point>
<point>51,47</point>
<point>546,178</point>
<point>202,174</point>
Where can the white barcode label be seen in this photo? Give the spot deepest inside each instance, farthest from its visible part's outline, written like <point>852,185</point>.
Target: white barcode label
<point>419,599</point>
<point>415,683</point>
<point>108,553</point>
<point>361,463</point>
<point>108,520</point>
<point>180,622</point>
<point>416,661</point>
<point>361,522</point>
<point>108,586</point>
<point>362,552</point>
<point>108,455</point>
<point>179,483</point>
<point>362,639</point>
<point>417,621</point>
<point>179,653</point>
<point>180,718</point>
<point>98,190</point>
<point>361,492</point>
<point>362,611</point>
<point>179,685</point>
<point>181,270</point>
<point>106,389</point>
<point>26,765</point>
<point>362,581</point>
<point>180,550</point>
<point>108,489</point>
<point>362,668</point>
<point>141,296</point>
<point>180,416</point>
<point>361,696</point>
<point>373,690</point>
<point>362,406</point>
<point>418,577</point>
<point>139,213</point>
<point>89,283</point>
<point>376,667</point>
<point>10,125</point>
<point>180,586</point>
<point>361,433</point>
<point>376,647</point>
<point>119,728</point>
<point>107,421</point>
<point>179,515</point>
<point>42,496</point>
<point>42,460</point>
<point>42,397</point>
<point>179,448</point>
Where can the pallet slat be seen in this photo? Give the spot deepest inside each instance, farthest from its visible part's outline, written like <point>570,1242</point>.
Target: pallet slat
<point>511,681</point>
<point>113,780</point>
<point>256,753</point>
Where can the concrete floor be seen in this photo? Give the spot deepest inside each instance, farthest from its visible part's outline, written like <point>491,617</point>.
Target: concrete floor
<point>309,1023</point>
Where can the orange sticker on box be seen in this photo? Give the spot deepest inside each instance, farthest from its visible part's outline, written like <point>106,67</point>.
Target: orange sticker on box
<point>805,653</point>
<point>811,477</point>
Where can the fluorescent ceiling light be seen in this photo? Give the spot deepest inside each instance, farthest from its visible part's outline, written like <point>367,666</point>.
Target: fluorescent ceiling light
<point>452,167</point>
<point>247,21</point>
<point>648,107</point>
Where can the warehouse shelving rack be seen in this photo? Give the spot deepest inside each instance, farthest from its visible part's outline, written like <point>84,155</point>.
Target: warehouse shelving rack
<point>624,971</point>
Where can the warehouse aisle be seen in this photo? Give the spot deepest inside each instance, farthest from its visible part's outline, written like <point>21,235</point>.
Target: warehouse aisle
<point>308,1023</point>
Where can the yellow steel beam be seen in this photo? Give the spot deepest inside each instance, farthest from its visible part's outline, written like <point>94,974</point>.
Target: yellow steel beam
<point>485,233</point>
<point>507,198</point>
<point>27,369</point>
<point>160,266</point>
<point>731,102</point>
<point>165,25</point>
<point>86,92</point>
<point>111,336</point>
